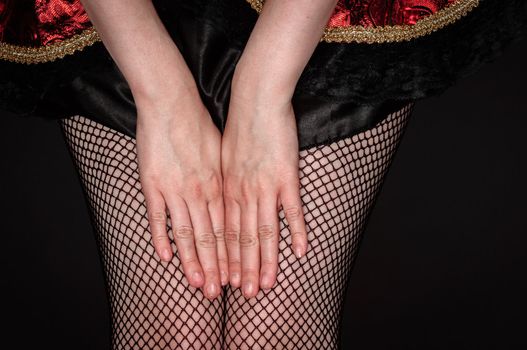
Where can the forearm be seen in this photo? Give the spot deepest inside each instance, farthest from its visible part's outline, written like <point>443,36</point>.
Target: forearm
<point>140,45</point>
<point>280,45</point>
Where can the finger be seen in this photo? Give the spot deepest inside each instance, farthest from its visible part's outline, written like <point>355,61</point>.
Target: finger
<point>249,248</point>
<point>268,228</point>
<point>157,220</point>
<point>216,212</point>
<point>184,239</point>
<point>293,209</point>
<point>232,240</point>
<point>205,246</point>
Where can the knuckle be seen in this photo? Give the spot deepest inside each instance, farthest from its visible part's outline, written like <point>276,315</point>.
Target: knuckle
<point>219,233</point>
<point>298,234</point>
<point>234,263</point>
<point>195,189</point>
<point>266,232</point>
<point>158,217</point>
<point>149,179</point>
<point>264,186</point>
<point>267,263</point>
<point>229,188</point>
<point>232,235</point>
<point>209,187</point>
<point>246,192</point>
<point>290,176</point>
<point>250,272</point>
<point>215,185</point>
<point>190,261</point>
<point>223,262</point>
<point>211,272</point>
<point>248,240</point>
<point>184,232</point>
<point>293,213</point>
<point>206,240</point>
<point>157,238</point>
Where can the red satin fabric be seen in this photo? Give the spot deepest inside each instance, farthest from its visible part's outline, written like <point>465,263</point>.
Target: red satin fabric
<point>375,13</point>
<point>42,22</point>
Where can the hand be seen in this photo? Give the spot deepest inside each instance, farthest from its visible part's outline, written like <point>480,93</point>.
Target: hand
<point>178,149</point>
<point>260,173</point>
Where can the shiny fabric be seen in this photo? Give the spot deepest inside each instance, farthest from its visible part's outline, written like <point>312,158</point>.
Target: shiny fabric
<point>103,95</point>
<point>366,74</point>
<point>343,89</point>
<point>43,22</point>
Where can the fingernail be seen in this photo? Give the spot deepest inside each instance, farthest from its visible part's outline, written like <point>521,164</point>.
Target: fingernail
<point>247,289</point>
<point>235,277</point>
<point>298,252</point>
<point>166,254</point>
<point>224,278</point>
<point>211,290</point>
<point>198,277</point>
<point>265,281</point>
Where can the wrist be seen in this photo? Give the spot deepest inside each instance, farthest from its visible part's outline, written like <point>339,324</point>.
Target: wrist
<point>260,86</point>
<point>183,104</point>
<point>157,76</point>
<point>162,91</point>
<point>161,84</point>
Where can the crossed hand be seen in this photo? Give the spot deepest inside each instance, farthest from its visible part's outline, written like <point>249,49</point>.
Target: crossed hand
<point>222,193</point>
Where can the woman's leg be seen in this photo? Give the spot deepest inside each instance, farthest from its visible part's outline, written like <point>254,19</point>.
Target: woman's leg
<point>152,305</point>
<point>339,185</point>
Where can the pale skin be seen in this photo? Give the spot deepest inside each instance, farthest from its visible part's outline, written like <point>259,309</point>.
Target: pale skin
<point>223,196</point>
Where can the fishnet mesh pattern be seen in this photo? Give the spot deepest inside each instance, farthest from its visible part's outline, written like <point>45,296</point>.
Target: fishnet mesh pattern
<point>339,185</point>
<point>152,304</point>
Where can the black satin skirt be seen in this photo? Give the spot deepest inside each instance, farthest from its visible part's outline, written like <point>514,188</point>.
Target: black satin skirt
<point>89,83</point>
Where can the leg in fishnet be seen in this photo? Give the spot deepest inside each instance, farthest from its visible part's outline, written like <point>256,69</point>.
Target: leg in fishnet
<point>152,304</point>
<point>339,185</point>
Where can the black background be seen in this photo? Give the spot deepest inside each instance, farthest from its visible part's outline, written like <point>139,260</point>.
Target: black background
<point>441,265</point>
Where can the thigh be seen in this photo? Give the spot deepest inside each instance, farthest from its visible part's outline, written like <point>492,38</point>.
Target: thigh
<point>339,185</point>
<point>152,304</point>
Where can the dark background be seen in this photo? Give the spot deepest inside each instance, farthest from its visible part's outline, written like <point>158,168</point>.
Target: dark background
<point>441,265</point>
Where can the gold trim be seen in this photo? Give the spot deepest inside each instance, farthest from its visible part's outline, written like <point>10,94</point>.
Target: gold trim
<point>395,33</point>
<point>48,53</point>
<point>347,34</point>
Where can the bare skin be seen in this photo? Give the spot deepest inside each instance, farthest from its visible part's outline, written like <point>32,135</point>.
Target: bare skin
<point>227,231</point>
<point>260,142</point>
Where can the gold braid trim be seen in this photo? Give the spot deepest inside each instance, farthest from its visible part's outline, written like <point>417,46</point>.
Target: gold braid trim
<point>51,52</point>
<point>348,34</point>
<point>395,33</point>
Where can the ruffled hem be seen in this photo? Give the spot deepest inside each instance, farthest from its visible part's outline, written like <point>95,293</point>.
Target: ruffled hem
<point>370,73</point>
<point>25,90</point>
<point>423,67</point>
<point>366,74</point>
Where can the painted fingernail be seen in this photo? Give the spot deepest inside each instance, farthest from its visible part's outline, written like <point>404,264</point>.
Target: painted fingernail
<point>166,254</point>
<point>224,278</point>
<point>211,290</point>
<point>247,289</point>
<point>298,252</point>
<point>198,277</point>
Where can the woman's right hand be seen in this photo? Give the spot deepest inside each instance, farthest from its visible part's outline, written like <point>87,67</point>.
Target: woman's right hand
<point>178,145</point>
<point>178,149</point>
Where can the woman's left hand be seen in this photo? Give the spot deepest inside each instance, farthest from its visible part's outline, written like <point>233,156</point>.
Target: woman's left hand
<point>260,173</point>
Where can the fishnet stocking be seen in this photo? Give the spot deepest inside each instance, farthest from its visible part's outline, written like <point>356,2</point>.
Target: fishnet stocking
<point>152,305</point>
<point>339,185</point>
